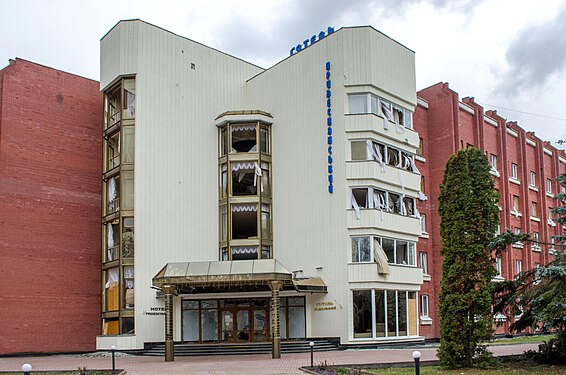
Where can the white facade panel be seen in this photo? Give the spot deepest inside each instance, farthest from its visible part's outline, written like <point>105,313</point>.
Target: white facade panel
<point>181,88</point>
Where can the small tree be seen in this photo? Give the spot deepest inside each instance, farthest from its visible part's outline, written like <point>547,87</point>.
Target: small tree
<point>469,217</point>
<point>539,294</point>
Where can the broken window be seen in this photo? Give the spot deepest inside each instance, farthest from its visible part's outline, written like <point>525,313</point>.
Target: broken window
<point>129,98</point>
<point>244,221</point>
<point>379,199</point>
<point>224,253</point>
<point>394,203</point>
<point>111,286</point>
<point>393,157</point>
<point>409,206</point>
<point>244,138</point>
<point>128,237</point>
<point>402,252</point>
<point>244,178</point>
<point>361,197</point>
<point>113,151</point>
<point>113,204</point>
<point>266,252</point>
<point>389,248</point>
<point>112,240</point>
<point>398,117</point>
<point>113,107</point>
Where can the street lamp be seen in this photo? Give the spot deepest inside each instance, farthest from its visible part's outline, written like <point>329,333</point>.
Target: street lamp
<point>311,344</point>
<point>113,348</point>
<point>417,357</point>
<point>26,368</point>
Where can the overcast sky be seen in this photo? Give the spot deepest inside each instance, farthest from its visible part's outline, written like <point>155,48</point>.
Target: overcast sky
<point>508,54</point>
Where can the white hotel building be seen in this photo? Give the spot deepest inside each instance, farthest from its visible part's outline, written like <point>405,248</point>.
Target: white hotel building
<point>230,189</point>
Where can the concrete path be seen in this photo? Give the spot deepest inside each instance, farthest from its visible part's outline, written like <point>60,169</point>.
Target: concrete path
<point>240,364</point>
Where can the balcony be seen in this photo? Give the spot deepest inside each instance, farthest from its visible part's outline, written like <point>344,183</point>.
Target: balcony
<point>372,218</point>
<point>374,123</point>
<point>371,170</point>
<point>398,274</point>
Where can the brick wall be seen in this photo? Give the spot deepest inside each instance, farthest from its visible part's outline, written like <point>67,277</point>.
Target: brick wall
<point>50,165</point>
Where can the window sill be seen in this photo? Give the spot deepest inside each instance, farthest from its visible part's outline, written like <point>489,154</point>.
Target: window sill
<point>534,218</point>
<point>495,173</point>
<point>517,245</point>
<point>426,277</point>
<point>424,235</point>
<point>514,181</point>
<point>420,158</point>
<point>533,188</point>
<point>516,214</point>
<point>536,249</point>
<point>426,321</point>
<point>552,252</point>
<point>498,279</point>
<point>550,195</point>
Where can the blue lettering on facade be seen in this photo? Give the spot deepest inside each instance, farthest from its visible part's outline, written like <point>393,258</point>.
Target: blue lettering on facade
<point>312,40</point>
<point>329,125</point>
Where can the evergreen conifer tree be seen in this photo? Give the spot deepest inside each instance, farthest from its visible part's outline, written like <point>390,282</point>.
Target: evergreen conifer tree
<point>469,217</point>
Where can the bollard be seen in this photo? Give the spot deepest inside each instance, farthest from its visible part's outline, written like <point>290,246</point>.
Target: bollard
<point>311,344</point>
<point>26,368</point>
<point>417,357</point>
<point>113,348</point>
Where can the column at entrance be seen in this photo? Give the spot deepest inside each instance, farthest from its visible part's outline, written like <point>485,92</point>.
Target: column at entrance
<point>275,287</point>
<point>169,290</point>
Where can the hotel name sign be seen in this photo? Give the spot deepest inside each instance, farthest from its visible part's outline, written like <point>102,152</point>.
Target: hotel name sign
<point>312,40</point>
<point>324,306</point>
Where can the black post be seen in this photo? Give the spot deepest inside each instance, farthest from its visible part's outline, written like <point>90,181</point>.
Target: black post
<point>113,358</point>
<point>311,344</point>
<point>417,366</point>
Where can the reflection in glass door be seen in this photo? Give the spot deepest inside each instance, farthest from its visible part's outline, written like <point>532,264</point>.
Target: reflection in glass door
<point>227,326</point>
<point>260,325</point>
<point>243,333</point>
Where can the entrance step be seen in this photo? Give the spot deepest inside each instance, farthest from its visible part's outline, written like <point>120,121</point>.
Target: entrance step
<point>295,346</point>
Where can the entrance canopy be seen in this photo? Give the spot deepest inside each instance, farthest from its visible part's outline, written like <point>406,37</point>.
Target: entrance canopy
<point>242,274</point>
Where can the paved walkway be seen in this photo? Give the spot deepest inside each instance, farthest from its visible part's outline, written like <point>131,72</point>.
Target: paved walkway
<point>240,364</point>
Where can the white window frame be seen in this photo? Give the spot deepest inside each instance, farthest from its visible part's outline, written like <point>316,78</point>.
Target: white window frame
<point>423,262</point>
<point>424,307</point>
<point>494,162</point>
<point>549,185</point>
<point>514,171</point>
<point>371,249</point>
<point>423,223</point>
<point>498,273</point>
<point>518,267</point>
<point>536,237</point>
<point>532,178</point>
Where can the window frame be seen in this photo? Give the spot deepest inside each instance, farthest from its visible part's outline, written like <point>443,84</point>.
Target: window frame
<point>424,300</point>
<point>514,171</point>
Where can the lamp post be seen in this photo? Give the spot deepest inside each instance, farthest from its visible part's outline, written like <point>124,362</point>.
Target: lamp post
<point>113,348</point>
<point>311,344</point>
<point>26,368</point>
<point>417,357</point>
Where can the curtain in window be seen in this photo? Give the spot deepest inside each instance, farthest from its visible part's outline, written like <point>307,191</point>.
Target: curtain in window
<point>356,207</point>
<point>112,277</point>
<point>241,128</point>
<point>244,207</point>
<point>112,192</point>
<point>129,274</point>
<point>373,153</point>
<point>244,250</point>
<point>380,258</point>
<point>386,114</point>
<point>110,237</point>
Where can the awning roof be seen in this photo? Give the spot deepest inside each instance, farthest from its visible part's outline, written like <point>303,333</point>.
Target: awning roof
<point>232,273</point>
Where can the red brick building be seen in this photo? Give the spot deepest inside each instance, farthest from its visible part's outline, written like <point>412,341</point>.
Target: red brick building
<point>523,166</point>
<point>50,167</point>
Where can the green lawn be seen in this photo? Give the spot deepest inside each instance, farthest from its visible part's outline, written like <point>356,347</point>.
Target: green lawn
<point>522,340</point>
<point>514,369</point>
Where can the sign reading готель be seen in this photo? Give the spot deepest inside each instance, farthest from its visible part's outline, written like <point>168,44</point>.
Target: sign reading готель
<point>313,39</point>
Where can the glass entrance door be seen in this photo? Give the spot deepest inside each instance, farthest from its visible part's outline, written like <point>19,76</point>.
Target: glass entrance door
<point>227,326</point>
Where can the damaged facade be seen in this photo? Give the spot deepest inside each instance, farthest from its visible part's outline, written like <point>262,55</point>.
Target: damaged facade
<point>259,203</point>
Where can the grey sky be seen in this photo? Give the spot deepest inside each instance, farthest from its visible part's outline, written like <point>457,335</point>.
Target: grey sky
<point>505,53</point>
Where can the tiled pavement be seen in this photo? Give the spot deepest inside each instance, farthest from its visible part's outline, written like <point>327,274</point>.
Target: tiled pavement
<point>241,364</point>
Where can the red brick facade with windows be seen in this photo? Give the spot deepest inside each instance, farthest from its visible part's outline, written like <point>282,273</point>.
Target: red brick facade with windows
<point>50,167</point>
<point>447,124</point>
